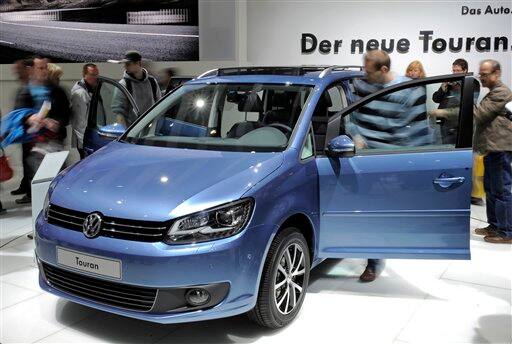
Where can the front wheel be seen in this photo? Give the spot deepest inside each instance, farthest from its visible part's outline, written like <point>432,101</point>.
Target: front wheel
<point>284,280</point>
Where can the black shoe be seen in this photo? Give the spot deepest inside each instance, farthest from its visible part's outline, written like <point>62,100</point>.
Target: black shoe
<point>18,191</point>
<point>487,231</point>
<point>477,201</point>
<point>498,239</point>
<point>369,275</point>
<point>2,211</point>
<point>24,200</point>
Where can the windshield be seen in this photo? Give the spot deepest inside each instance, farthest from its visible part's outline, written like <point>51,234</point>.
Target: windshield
<point>237,117</point>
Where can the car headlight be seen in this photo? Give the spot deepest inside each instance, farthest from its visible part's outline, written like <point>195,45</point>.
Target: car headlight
<point>216,223</point>
<point>46,205</point>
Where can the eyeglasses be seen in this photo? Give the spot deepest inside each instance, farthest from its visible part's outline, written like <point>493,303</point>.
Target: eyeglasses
<point>484,75</point>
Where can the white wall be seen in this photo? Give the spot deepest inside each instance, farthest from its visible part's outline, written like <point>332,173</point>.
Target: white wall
<point>275,28</point>
<point>266,32</point>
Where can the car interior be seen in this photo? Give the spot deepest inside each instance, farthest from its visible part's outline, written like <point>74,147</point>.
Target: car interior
<point>256,115</point>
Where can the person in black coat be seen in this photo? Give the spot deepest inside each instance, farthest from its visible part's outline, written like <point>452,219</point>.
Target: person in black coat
<point>52,127</point>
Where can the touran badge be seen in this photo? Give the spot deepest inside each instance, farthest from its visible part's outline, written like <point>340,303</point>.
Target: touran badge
<point>92,225</point>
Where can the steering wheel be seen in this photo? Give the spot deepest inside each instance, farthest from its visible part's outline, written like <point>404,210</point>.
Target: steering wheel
<point>283,127</point>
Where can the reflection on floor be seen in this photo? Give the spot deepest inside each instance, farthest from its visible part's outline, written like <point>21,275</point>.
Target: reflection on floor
<point>412,301</point>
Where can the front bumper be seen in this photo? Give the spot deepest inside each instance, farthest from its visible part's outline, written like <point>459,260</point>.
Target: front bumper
<point>230,266</point>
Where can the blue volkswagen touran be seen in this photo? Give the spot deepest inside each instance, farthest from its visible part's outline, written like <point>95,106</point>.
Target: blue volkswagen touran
<point>222,197</point>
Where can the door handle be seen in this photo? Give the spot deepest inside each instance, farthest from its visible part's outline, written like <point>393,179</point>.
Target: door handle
<point>448,182</point>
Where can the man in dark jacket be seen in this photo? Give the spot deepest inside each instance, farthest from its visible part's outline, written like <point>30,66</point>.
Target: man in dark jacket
<point>52,126</point>
<point>493,138</point>
<point>448,96</point>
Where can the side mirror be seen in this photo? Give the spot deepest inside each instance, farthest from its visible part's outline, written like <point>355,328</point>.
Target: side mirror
<point>341,147</point>
<point>508,110</point>
<point>111,131</point>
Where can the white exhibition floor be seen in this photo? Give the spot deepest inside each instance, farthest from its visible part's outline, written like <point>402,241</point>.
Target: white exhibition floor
<point>413,301</point>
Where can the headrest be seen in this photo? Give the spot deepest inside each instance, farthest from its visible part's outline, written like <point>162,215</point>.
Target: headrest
<point>323,104</point>
<point>233,96</point>
<point>273,116</point>
<point>281,99</point>
<point>250,102</point>
<point>325,100</point>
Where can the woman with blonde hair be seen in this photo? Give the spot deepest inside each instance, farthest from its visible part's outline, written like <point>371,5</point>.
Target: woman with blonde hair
<point>54,73</point>
<point>415,70</point>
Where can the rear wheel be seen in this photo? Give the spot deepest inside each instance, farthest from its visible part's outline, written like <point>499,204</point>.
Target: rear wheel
<point>284,280</point>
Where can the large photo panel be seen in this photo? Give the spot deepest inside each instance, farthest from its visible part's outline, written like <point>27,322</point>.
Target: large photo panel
<point>99,30</point>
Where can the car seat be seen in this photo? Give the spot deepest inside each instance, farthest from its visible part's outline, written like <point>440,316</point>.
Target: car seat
<point>249,102</point>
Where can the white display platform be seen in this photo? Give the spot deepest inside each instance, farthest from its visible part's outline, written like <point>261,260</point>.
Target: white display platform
<point>49,168</point>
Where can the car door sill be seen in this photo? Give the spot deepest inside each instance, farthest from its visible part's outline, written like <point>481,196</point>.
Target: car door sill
<point>395,253</point>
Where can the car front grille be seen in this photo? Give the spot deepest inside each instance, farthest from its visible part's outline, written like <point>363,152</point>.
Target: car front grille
<point>105,292</point>
<point>148,231</point>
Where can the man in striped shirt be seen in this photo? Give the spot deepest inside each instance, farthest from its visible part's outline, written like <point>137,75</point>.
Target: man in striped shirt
<point>395,120</point>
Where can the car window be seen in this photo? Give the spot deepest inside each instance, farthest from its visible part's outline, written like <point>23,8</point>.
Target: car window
<point>193,107</point>
<point>424,117</point>
<point>244,117</point>
<point>111,103</point>
<point>330,103</point>
<point>336,99</point>
<point>308,149</point>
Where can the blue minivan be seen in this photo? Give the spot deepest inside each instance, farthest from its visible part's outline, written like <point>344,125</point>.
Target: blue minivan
<point>222,197</point>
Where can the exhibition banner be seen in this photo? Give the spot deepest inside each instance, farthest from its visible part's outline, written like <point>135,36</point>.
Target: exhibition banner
<point>340,32</point>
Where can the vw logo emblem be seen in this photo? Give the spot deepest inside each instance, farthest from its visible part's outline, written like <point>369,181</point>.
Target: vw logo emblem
<point>92,225</point>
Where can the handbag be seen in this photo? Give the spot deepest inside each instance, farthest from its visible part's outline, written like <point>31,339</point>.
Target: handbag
<point>5,170</point>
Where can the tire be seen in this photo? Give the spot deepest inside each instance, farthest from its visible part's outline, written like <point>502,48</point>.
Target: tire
<point>274,306</point>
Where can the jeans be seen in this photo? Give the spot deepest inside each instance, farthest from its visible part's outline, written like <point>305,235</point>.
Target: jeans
<point>377,264</point>
<point>498,186</point>
<point>25,182</point>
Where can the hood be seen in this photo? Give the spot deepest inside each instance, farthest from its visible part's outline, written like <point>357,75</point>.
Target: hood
<point>128,76</point>
<point>80,87</point>
<point>158,183</point>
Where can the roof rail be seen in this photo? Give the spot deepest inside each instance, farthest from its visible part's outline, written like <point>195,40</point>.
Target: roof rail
<point>211,72</point>
<point>279,70</point>
<point>331,69</point>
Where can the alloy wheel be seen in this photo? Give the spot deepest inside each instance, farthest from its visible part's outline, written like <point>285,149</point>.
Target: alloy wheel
<point>289,280</point>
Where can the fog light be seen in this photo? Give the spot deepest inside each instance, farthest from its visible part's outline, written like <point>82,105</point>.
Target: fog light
<point>197,297</point>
